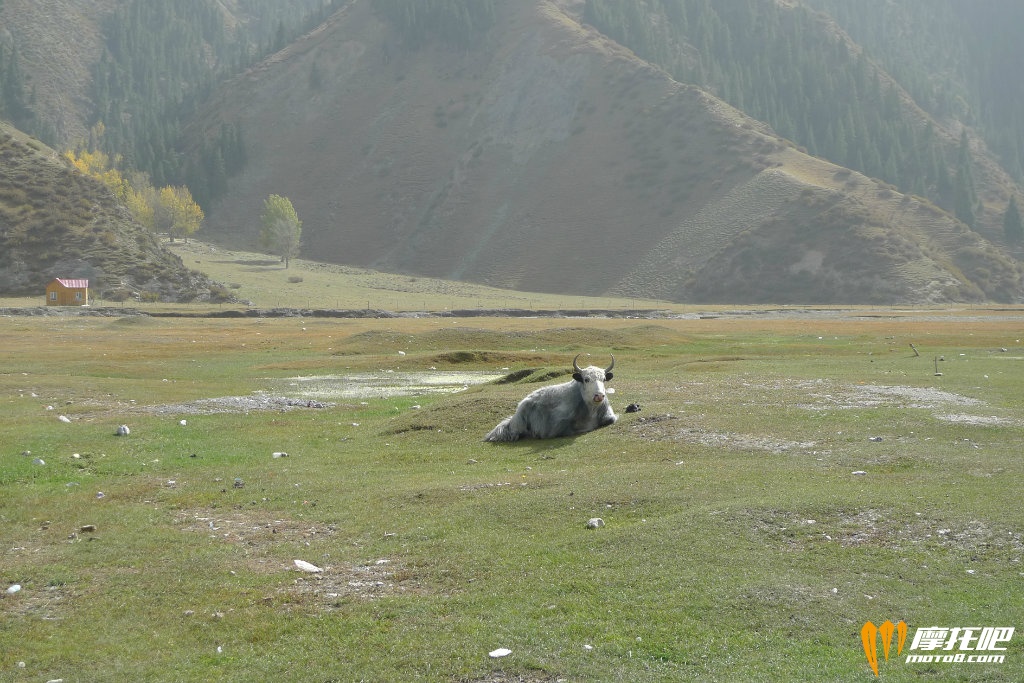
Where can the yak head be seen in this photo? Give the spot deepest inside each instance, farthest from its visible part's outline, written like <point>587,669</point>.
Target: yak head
<point>592,379</point>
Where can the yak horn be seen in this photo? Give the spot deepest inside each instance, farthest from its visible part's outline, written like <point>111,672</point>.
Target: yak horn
<point>575,366</point>
<point>609,368</point>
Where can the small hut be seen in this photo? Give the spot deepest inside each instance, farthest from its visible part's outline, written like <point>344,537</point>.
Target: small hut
<point>64,291</point>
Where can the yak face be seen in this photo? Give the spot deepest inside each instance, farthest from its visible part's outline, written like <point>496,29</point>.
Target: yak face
<point>591,380</point>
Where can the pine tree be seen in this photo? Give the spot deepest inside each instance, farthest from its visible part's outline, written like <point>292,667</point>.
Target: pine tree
<point>1012,226</point>
<point>964,194</point>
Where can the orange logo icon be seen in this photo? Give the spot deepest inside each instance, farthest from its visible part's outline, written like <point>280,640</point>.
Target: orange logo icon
<point>869,636</point>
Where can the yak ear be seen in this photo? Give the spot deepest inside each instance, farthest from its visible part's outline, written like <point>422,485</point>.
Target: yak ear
<point>608,376</point>
<point>577,376</point>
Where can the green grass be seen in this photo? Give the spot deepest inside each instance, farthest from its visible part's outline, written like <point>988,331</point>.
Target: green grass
<point>738,544</point>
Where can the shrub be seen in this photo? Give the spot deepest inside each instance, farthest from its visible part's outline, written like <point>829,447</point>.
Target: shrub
<point>219,294</point>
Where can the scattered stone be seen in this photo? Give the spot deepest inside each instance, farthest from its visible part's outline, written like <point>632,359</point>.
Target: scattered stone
<point>183,422</point>
<point>859,473</point>
<point>307,567</point>
<point>100,495</point>
<point>64,418</point>
<point>26,453</point>
<point>876,439</point>
<point>87,528</point>
<point>122,430</point>
<point>633,408</point>
<point>500,652</point>
<point>14,589</point>
<point>38,461</point>
<point>280,454</point>
<point>239,483</point>
<point>595,523</point>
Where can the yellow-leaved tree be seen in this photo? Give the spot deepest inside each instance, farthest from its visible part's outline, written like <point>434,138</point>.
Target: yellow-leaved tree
<point>169,209</point>
<point>176,213</point>
<point>99,166</point>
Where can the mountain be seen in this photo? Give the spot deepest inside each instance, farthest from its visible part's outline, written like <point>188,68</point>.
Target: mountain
<point>56,222</point>
<point>756,151</point>
<point>548,156</point>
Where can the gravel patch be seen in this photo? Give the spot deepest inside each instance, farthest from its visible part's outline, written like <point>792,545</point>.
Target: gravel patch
<point>234,404</point>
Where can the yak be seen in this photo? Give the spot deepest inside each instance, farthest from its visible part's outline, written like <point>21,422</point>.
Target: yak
<point>569,409</point>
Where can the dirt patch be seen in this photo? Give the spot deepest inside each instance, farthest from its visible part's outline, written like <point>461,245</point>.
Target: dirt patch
<point>336,585</point>
<point>500,677</point>
<point>668,428</point>
<point>328,588</point>
<point>829,395</point>
<point>233,404</point>
<point>247,528</point>
<point>883,528</point>
<point>46,603</point>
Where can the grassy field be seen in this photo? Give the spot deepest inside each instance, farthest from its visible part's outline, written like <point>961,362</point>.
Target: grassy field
<point>739,543</point>
<point>264,281</point>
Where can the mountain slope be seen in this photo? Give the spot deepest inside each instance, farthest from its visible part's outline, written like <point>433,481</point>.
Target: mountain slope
<point>55,222</point>
<point>551,158</point>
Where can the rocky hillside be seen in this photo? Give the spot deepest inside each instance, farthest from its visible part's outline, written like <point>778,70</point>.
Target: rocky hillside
<point>548,157</point>
<point>55,222</point>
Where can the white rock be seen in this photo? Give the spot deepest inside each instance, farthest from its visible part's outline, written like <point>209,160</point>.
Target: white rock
<point>859,473</point>
<point>183,423</point>
<point>307,567</point>
<point>38,461</point>
<point>500,652</point>
<point>280,454</point>
<point>64,418</point>
<point>595,523</point>
<point>14,589</point>
<point>122,431</point>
